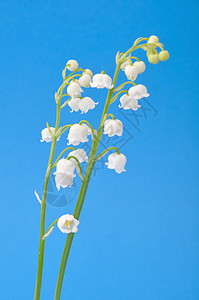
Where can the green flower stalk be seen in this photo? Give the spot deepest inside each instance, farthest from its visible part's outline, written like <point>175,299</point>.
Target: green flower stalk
<point>81,132</point>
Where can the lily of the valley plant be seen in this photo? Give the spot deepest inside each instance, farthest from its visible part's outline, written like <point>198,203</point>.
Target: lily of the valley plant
<point>69,96</point>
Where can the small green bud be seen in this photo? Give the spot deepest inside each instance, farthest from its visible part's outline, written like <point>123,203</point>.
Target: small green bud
<point>103,72</point>
<point>89,72</point>
<point>164,55</point>
<point>153,58</point>
<point>153,39</point>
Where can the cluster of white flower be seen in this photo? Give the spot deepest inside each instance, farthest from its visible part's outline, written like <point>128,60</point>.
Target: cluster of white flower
<point>137,92</point>
<point>79,133</point>
<point>74,89</point>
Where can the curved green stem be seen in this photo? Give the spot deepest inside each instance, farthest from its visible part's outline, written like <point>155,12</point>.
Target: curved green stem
<point>84,188</point>
<point>119,87</point>
<point>116,95</point>
<point>73,76</point>
<point>110,115</point>
<point>60,155</point>
<point>49,228</point>
<point>140,40</point>
<point>92,130</point>
<point>65,128</point>
<point>80,168</point>
<point>134,57</point>
<point>106,151</point>
<point>69,76</point>
<point>65,103</point>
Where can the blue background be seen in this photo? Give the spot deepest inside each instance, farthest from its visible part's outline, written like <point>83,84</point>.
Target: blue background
<point>138,236</point>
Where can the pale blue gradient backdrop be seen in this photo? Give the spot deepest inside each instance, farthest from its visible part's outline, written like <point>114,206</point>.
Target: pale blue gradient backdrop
<point>138,236</point>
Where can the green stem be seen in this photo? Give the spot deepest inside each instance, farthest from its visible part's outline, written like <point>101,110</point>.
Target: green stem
<point>43,212</point>
<point>92,130</point>
<point>106,151</point>
<point>83,189</point>
<point>49,228</point>
<point>66,127</point>
<point>78,164</point>
<point>110,115</point>
<point>116,95</point>
<point>60,155</point>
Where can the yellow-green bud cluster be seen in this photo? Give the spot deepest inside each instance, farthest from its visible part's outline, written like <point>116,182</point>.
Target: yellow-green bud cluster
<point>153,56</point>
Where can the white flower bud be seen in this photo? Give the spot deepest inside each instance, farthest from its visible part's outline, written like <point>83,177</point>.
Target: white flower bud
<point>73,104</point>
<point>67,223</point>
<point>74,90</point>
<point>89,72</point>
<point>78,134</point>
<point>138,92</point>
<point>80,154</point>
<point>85,80</point>
<point>85,104</point>
<point>101,81</point>
<point>64,173</point>
<point>128,102</point>
<point>140,65</point>
<point>126,63</point>
<point>116,162</point>
<point>72,65</point>
<point>131,72</point>
<point>153,39</point>
<point>113,127</point>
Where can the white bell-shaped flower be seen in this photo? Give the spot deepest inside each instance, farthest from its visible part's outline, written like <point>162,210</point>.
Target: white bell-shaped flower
<point>80,154</point>
<point>131,72</point>
<point>85,80</point>
<point>45,134</point>
<point>74,90</point>
<point>72,65</point>
<point>67,223</point>
<point>78,134</point>
<point>113,127</point>
<point>117,162</point>
<point>138,92</point>
<point>74,104</point>
<point>101,81</point>
<point>128,102</point>
<point>140,65</point>
<point>126,63</point>
<point>85,104</point>
<point>64,173</point>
